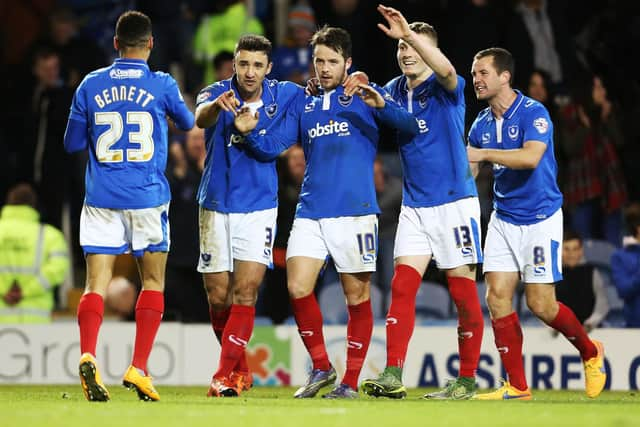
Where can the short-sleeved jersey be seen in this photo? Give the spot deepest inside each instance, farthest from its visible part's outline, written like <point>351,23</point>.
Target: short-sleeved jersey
<point>124,107</point>
<point>434,163</point>
<point>234,179</point>
<point>521,196</point>
<point>339,136</point>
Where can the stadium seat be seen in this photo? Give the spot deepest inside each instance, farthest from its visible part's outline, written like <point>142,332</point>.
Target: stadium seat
<point>263,321</point>
<point>433,302</point>
<point>598,252</point>
<point>482,296</point>
<point>333,304</point>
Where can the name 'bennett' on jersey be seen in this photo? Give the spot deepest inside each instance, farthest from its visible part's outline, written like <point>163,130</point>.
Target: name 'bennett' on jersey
<point>123,93</point>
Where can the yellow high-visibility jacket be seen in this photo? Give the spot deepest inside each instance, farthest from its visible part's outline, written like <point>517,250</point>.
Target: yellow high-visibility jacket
<point>35,256</point>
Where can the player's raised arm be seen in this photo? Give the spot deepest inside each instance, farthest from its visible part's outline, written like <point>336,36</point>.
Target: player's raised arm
<point>526,157</point>
<point>267,144</point>
<point>207,112</point>
<point>425,47</point>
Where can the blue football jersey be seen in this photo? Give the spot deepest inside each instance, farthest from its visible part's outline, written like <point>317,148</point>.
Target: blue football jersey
<point>122,111</point>
<point>339,136</point>
<point>434,163</point>
<point>520,196</point>
<point>234,179</point>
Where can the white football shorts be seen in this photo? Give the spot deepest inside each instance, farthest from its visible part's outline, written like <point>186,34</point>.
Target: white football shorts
<point>534,250</point>
<point>120,231</point>
<point>225,237</point>
<point>352,241</point>
<point>449,232</point>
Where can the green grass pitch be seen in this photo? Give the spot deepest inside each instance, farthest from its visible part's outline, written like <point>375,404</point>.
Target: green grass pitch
<point>50,406</point>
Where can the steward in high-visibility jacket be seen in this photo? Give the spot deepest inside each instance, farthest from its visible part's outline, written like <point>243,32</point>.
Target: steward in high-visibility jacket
<point>33,260</point>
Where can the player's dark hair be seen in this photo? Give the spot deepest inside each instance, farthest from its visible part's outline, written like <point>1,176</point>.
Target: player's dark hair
<point>502,60</point>
<point>334,38</point>
<point>632,218</point>
<point>425,29</point>
<point>133,30</point>
<point>254,43</point>
<point>22,194</point>
<point>570,234</point>
<point>220,58</point>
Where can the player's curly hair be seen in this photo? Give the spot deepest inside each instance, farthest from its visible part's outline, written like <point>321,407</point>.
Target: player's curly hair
<point>133,30</point>
<point>254,43</point>
<point>502,60</point>
<point>335,38</point>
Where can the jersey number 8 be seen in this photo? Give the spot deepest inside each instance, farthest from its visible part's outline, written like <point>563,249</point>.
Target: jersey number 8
<point>143,136</point>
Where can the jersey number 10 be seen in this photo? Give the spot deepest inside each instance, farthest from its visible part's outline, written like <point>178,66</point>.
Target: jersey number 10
<point>143,136</point>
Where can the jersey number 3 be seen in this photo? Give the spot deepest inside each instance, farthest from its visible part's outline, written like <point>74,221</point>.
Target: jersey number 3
<point>143,137</point>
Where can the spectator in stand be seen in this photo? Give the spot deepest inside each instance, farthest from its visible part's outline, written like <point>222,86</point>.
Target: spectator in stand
<point>274,296</point>
<point>389,195</point>
<point>293,61</point>
<point>595,189</point>
<point>625,268</point>
<point>223,65</point>
<point>184,294</point>
<point>582,288</point>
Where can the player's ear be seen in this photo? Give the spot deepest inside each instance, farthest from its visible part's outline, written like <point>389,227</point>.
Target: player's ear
<point>150,43</point>
<point>347,64</point>
<point>269,66</point>
<point>115,43</point>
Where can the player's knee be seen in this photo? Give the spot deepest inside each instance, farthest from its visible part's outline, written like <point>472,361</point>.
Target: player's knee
<point>298,289</point>
<point>245,292</point>
<point>497,300</point>
<point>541,307</point>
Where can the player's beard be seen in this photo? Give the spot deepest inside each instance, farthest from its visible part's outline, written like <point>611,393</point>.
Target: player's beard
<point>337,82</point>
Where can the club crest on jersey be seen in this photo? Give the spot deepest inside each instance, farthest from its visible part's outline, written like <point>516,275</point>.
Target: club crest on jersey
<point>541,124</point>
<point>203,96</point>
<point>513,132</point>
<point>486,137</point>
<point>131,73</point>
<point>422,101</point>
<point>345,100</point>
<point>271,110</point>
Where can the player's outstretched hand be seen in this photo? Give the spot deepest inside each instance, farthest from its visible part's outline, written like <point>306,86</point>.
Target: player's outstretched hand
<point>474,154</point>
<point>313,86</point>
<point>398,25</point>
<point>370,96</point>
<point>353,80</point>
<point>227,102</point>
<point>244,121</point>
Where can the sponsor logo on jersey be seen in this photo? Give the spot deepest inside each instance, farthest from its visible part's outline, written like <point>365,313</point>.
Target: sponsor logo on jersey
<point>235,139</point>
<point>422,125</point>
<point>334,127</point>
<point>486,137</point>
<point>467,251</point>
<point>271,110</point>
<point>131,73</point>
<point>541,124</point>
<point>310,106</point>
<point>513,132</point>
<point>203,96</point>
<point>345,100</point>
<point>529,103</point>
<point>267,252</point>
